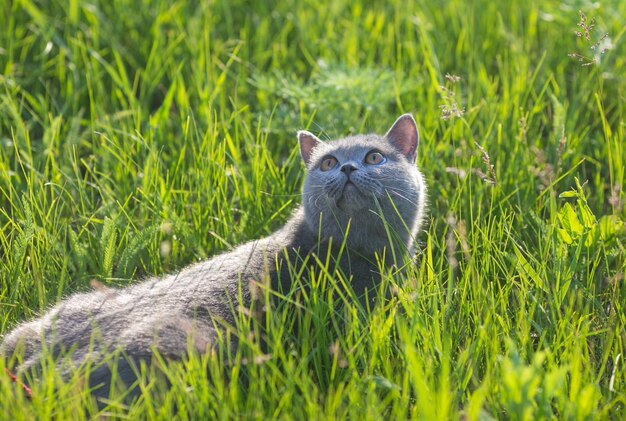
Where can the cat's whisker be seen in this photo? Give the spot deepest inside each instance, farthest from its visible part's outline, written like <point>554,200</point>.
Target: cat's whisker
<point>282,195</point>
<point>396,193</point>
<point>403,197</point>
<point>397,189</point>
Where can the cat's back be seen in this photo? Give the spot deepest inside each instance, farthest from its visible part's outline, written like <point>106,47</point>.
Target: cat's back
<point>213,283</point>
<point>203,292</point>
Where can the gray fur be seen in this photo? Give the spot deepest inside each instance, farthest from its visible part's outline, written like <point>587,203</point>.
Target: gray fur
<point>163,314</point>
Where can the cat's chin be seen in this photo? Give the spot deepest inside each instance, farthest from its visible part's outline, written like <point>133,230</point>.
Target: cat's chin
<point>352,199</point>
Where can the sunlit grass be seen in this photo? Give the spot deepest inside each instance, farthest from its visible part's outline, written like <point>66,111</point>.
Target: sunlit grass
<point>136,139</point>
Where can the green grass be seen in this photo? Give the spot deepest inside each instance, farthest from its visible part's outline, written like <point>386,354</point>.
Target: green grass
<point>138,137</point>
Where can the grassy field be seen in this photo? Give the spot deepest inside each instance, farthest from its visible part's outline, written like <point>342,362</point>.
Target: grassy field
<point>138,137</point>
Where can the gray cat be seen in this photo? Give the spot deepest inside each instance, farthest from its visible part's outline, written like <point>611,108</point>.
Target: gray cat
<point>362,192</point>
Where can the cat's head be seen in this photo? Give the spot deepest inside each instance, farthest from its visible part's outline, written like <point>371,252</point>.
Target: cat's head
<point>362,181</point>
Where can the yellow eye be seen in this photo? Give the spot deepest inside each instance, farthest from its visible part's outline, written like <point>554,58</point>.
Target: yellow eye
<point>328,163</point>
<point>374,158</point>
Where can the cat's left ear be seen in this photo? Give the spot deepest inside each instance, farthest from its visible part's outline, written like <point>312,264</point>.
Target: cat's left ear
<point>308,141</point>
<point>404,137</point>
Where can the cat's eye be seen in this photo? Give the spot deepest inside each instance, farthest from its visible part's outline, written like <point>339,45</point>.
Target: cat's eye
<point>374,158</point>
<point>328,163</point>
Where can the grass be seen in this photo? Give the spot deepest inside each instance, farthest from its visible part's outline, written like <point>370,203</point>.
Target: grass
<point>138,138</point>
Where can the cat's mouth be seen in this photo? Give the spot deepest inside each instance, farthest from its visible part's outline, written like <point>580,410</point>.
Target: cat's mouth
<point>350,196</point>
<point>349,186</point>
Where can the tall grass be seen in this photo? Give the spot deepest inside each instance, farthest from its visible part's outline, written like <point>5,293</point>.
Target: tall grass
<point>136,138</point>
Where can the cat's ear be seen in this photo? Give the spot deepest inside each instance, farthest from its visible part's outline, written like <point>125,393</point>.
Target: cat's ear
<point>308,141</point>
<point>404,137</point>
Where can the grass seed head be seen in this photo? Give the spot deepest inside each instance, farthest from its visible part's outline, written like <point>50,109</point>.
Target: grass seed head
<point>597,47</point>
<point>491,176</point>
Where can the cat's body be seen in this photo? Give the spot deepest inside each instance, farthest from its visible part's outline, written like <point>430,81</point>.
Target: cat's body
<point>351,186</point>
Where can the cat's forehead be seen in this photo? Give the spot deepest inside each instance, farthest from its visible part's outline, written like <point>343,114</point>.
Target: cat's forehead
<point>353,145</point>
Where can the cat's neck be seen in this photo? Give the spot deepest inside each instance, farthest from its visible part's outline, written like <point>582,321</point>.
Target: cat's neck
<point>366,238</point>
<point>296,233</point>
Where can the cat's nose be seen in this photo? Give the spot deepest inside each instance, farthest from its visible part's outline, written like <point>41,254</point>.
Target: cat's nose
<point>347,169</point>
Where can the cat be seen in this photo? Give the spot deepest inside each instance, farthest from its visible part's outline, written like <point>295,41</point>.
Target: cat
<point>363,194</point>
